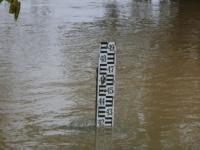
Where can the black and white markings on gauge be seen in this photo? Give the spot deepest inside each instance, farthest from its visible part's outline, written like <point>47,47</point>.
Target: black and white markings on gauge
<point>106,84</point>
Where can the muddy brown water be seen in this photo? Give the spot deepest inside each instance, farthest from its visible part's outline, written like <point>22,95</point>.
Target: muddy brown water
<point>47,74</point>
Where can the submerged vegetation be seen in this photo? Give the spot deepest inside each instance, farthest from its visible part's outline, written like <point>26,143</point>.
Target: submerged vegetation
<point>14,7</point>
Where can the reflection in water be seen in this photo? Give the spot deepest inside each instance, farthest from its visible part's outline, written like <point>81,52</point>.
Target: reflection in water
<point>47,74</point>
<point>111,19</point>
<point>172,80</point>
<point>104,139</point>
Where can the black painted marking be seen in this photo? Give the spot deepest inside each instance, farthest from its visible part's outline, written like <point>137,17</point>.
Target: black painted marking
<point>111,58</point>
<point>108,120</point>
<point>101,112</point>
<point>109,103</point>
<point>102,89</point>
<point>103,69</point>
<point>109,79</point>
<point>104,43</point>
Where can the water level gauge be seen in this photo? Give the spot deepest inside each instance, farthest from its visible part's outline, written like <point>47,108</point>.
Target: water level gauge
<point>106,84</point>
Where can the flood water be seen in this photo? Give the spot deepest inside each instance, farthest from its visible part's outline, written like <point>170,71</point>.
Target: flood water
<point>48,61</point>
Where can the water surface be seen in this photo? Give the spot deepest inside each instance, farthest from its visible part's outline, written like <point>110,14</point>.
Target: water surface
<point>48,61</point>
